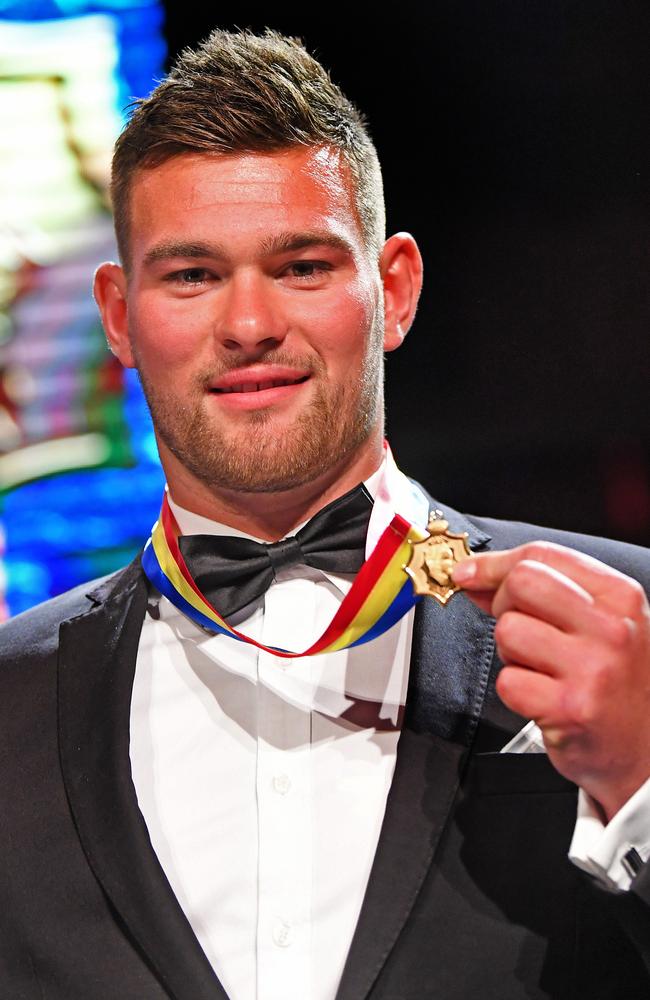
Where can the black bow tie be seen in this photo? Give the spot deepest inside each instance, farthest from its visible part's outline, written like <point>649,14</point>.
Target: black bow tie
<point>231,572</point>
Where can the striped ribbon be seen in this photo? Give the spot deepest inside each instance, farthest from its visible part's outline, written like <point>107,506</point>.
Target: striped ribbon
<point>380,595</point>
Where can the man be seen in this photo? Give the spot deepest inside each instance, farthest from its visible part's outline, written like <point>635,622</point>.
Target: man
<point>193,806</point>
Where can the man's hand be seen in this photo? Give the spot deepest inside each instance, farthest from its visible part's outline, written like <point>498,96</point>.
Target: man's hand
<point>574,637</point>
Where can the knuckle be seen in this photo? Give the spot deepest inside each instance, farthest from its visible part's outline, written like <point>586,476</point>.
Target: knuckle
<point>601,675</point>
<point>522,579</point>
<point>506,629</point>
<point>635,602</point>
<point>538,551</point>
<point>588,696</point>
<point>582,709</point>
<point>507,688</point>
<point>617,631</point>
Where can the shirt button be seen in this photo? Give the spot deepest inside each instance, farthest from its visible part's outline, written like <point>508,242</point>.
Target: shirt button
<point>281,784</point>
<point>282,933</point>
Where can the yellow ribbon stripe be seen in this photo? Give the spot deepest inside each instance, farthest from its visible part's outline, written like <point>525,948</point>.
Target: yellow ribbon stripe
<point>378,600</point>
<point>171,570</point>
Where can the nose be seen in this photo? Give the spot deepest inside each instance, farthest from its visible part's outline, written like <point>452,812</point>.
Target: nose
<point>249,318</point>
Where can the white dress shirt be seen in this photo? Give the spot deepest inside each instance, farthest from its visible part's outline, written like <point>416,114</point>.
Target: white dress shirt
<point>263,780</point>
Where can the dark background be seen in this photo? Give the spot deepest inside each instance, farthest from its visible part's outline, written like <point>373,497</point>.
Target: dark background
<point>514,141</point>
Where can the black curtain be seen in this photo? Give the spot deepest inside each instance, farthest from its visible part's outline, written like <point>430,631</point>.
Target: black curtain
<point>514,141</point>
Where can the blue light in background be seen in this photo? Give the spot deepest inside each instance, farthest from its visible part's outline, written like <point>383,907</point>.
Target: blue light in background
<point>142,49</point>
<point>77,525</point>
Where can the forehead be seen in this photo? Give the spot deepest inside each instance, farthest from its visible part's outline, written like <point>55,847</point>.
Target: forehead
<point>243,195</point>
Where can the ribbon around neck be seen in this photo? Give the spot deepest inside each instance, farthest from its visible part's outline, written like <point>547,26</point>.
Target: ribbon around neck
<point>380,594</point>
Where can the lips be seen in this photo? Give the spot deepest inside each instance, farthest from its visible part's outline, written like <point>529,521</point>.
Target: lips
<point>252,379</point>
<point>259,386</point>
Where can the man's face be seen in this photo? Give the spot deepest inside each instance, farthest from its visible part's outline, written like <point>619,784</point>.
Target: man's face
<point>254,316</point>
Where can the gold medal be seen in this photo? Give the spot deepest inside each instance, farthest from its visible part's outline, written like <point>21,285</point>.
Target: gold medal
<point>433,559</point>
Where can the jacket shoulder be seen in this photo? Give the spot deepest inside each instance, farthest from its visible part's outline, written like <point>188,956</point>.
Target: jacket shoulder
<point>633,560</point>
<point>37,630</point>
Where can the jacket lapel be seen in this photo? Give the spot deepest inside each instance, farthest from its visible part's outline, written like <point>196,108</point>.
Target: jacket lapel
<point>96,667</point>
<point>450,663</point>
<point>451,658</point>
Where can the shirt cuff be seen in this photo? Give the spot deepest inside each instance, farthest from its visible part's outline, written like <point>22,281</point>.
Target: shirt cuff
<point>614,852</point>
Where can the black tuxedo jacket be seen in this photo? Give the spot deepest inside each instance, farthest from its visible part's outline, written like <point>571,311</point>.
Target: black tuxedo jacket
<point>471,894</point>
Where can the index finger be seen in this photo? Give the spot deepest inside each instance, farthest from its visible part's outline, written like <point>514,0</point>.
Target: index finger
<point>485,571</point>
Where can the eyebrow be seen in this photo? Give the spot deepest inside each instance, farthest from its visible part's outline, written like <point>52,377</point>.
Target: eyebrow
<point>288,242</point>
<point>269,247</point>
<point>165,251</point>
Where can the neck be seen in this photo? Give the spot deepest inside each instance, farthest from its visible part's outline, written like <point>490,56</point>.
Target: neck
<point>270,516</point>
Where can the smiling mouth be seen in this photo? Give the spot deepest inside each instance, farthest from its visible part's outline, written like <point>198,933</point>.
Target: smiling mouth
<point>271,383</point>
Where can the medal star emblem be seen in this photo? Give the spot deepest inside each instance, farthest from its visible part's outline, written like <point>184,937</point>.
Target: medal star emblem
<point>433,559</point>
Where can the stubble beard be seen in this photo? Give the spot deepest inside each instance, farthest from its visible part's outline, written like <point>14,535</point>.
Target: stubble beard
<point>258,458</point>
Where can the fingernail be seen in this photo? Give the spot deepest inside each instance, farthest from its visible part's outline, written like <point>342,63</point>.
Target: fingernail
<point>464,571</point>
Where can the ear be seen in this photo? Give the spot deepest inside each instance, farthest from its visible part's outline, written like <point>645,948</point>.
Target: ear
<point>109,289</point>
<point>400,267</point>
